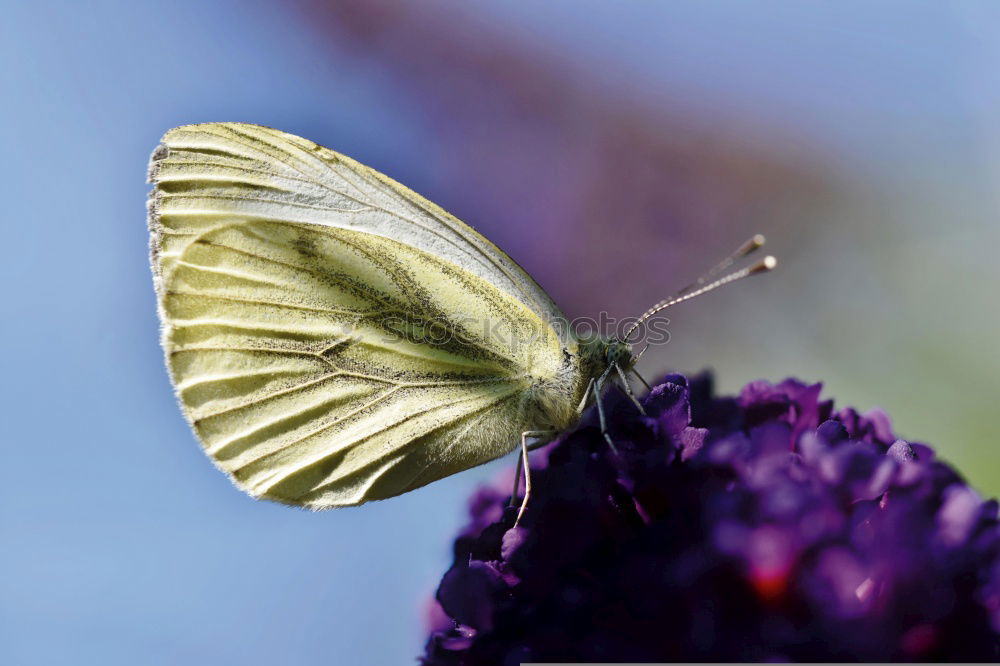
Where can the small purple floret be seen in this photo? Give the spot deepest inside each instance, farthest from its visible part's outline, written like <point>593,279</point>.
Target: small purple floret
<point>764,527</point>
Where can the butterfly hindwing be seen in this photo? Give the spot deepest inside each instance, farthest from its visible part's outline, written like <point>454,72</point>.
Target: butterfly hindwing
<point>327,367</point>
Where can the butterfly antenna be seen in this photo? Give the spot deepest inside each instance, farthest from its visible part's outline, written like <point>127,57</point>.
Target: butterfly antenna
<point>751,245</point>
<point>699,287</point>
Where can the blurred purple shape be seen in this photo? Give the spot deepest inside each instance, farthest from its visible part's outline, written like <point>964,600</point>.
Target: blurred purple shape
<point>560,170</point>
<point>767,527</point>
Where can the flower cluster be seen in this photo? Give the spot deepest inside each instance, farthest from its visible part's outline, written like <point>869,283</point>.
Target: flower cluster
<point>769,526</point>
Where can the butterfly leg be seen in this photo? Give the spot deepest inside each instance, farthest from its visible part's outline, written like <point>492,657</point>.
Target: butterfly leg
<point>531,447</point>
<point>522,464</point>
<point>636,372</point>
<point>642,379</point>
<point>598,390</point>
<point>628,389</point>
<point>586,394</point>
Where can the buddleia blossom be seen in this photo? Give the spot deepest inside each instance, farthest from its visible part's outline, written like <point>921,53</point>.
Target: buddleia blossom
<point>767,526</point>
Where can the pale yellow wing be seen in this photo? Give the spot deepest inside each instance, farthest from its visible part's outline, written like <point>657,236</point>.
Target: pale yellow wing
<point>216,171</point>
<point>324,367</point>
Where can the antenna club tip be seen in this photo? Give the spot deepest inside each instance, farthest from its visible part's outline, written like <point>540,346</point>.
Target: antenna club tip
<point>758,240</point>
<point>766,264</point>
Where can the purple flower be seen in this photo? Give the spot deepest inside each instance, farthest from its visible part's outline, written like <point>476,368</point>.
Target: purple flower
<point>764,527</point>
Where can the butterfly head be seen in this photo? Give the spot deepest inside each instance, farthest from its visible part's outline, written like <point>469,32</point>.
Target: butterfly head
<point>618,352</point>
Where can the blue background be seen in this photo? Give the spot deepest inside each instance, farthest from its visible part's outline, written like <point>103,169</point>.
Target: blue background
<point>122,544</point>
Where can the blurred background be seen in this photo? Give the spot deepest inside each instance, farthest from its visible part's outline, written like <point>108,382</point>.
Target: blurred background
<point>614,149</point>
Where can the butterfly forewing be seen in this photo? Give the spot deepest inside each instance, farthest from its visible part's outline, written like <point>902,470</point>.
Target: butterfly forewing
<point>215,171</point>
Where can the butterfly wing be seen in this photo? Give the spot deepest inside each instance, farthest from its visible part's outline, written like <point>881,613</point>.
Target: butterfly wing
<point>325,366</point>
<point>238,170</point>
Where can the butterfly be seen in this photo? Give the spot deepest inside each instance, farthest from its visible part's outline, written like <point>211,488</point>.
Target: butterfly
<point>334,338</point>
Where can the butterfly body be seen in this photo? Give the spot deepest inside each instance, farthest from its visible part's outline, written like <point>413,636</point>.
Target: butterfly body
<point>334,338</point>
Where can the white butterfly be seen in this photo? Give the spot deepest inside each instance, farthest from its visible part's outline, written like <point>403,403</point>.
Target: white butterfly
<point>335,338</point>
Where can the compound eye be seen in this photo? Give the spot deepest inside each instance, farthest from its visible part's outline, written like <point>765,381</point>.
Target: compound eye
<point>614,352</point>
